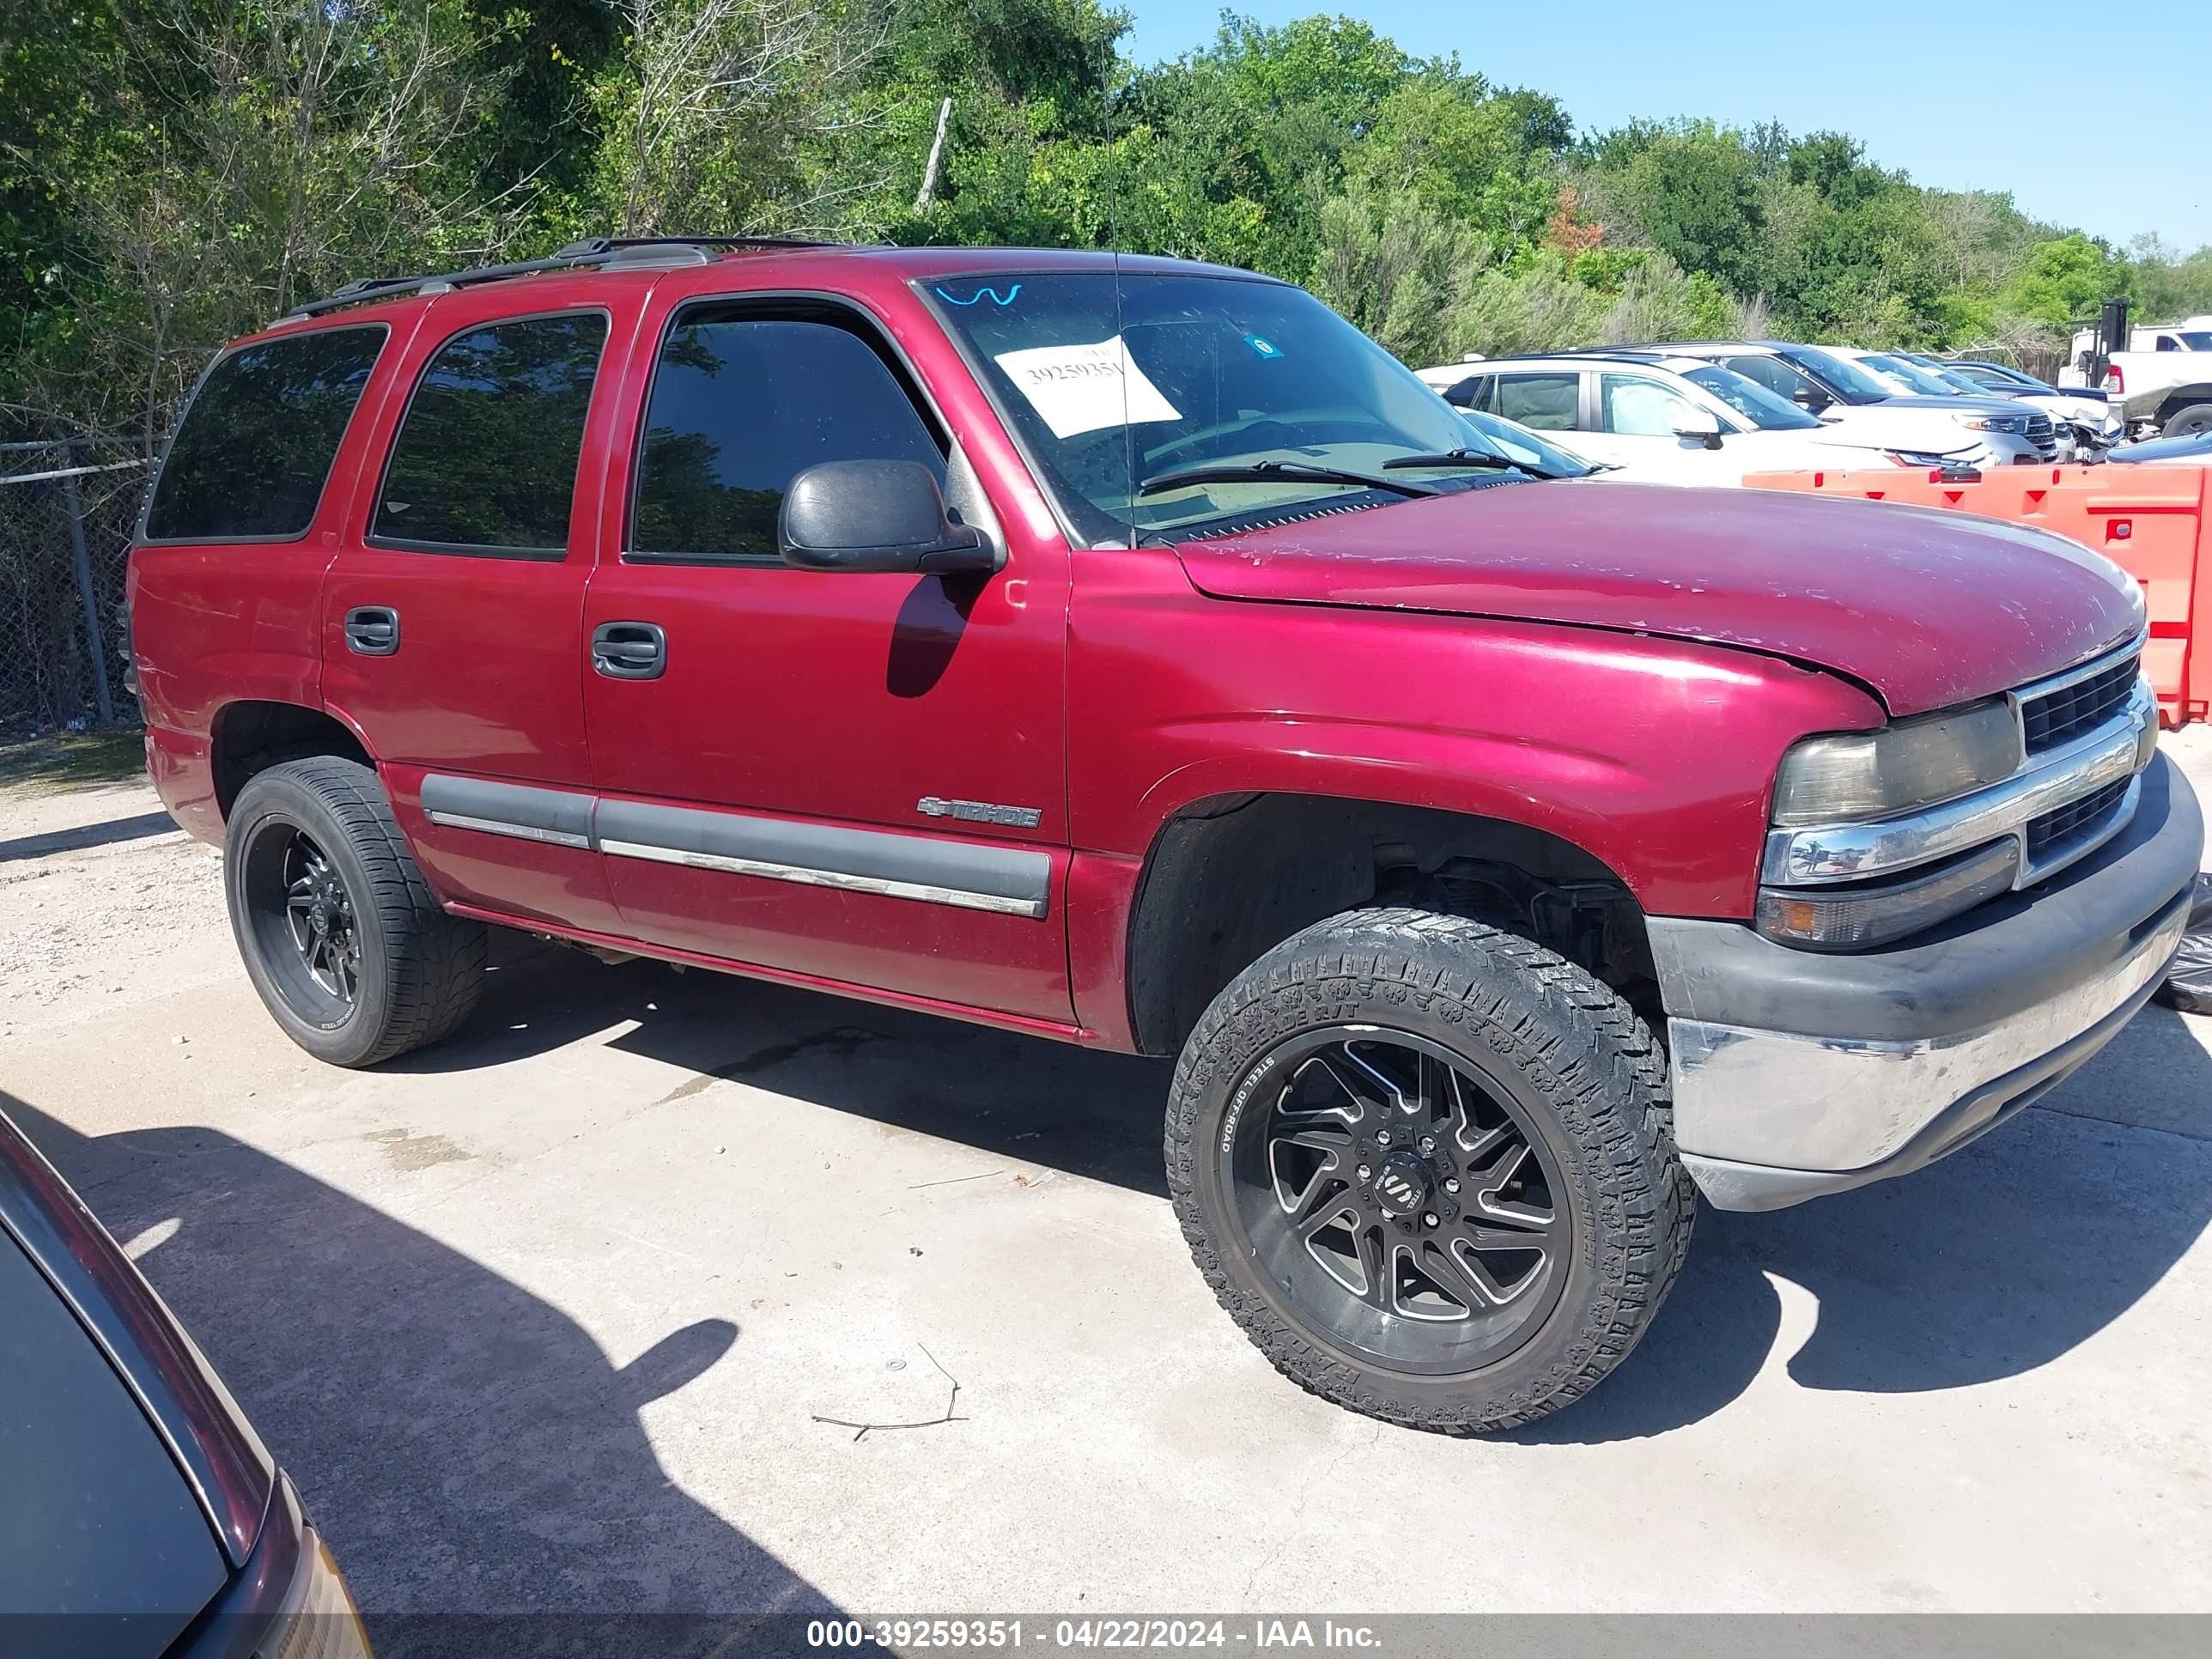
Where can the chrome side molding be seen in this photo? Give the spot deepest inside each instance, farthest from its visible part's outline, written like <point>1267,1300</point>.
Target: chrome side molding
<point>967,875</point>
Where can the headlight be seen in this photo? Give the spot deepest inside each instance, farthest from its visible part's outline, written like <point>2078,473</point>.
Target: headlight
<point>1913,763</point>
<point>318,1620</point>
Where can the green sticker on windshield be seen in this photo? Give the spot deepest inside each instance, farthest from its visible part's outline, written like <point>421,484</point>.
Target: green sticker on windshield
<point>1263,345</point>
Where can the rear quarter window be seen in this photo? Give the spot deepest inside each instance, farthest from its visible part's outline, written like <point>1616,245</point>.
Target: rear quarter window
<point>485,459</point>
<point>250,460</point>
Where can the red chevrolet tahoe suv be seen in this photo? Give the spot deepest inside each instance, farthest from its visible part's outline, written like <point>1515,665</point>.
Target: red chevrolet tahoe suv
<point>1131,653</point>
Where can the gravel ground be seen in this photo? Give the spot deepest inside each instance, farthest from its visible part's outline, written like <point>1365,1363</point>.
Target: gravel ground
<point>105,912</point>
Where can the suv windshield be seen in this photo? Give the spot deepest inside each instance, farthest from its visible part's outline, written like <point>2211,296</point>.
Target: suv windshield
<point>1762,408</point>
<point>1176,371</point>
<point>1518,443</point>
<point>1857,385</point>
<point>1916,378</point>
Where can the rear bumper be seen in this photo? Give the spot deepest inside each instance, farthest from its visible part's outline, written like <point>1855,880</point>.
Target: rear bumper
<point>182,768</point>
<point>1798,1074</point>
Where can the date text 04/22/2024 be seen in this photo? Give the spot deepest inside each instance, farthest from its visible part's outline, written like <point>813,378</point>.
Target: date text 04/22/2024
<point>1085,1633</point>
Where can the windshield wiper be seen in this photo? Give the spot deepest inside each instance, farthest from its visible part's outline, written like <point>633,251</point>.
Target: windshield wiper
<point>1279,472</point>
<point>1467,458</point>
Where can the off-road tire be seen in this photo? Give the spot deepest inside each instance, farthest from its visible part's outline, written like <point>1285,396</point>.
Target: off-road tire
<point>1597,1083</point>
<point>420,969</point>
<point>2187,423</point>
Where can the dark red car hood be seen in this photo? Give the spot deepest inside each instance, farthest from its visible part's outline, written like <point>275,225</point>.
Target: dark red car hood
<point>1928,607</point>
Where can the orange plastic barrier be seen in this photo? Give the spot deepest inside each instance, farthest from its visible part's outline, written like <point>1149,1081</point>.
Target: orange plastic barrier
<point>2154,522</point>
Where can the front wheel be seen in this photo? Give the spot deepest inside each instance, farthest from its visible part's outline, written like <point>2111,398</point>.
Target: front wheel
<point>1429,1168</point>
<point>348,946</point>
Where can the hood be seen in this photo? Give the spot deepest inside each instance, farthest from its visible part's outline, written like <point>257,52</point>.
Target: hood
<point>1924,424</point>
<point>1927,607</point>
<point>1965,402</point>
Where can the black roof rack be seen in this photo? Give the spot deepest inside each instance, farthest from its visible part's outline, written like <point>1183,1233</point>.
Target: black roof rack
<point>599,251</point>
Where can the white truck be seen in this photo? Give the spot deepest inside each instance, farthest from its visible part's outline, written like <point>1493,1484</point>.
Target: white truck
<point>2163,383</point>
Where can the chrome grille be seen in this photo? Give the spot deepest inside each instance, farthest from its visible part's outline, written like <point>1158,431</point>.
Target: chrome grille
<point>2040,434</point>
<point>2066,712</point>
<point>2051,833</point>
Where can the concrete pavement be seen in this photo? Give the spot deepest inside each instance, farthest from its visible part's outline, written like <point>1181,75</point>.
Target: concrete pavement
<point>545,1317</point>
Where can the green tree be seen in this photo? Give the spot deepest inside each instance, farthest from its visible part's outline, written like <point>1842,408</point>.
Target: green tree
<point>2168,287</point>
<point>1538,308</point>
<point>1448,142</point>
<point>1693,189</point>
<point>1401,271</point>
<point>2065,279</point>
<point>228,159</point>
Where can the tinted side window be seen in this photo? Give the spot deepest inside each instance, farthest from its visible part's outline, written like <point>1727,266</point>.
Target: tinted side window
<point>1770,372</point>
<point>1546,401</point>
<point>257,444</point>
<point>740,407</point>
<point>1476,391</point>
<point>486,456</point>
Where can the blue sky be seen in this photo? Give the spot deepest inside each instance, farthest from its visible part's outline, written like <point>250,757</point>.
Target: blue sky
<point>2009,97</point>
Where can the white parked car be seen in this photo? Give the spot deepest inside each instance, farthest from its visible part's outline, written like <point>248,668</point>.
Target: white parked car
<point>1661,419</point>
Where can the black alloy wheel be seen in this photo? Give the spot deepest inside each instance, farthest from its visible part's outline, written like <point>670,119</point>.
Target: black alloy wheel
<point>321,916</point>
<point>1394,1192</point>
<point>302,919</point>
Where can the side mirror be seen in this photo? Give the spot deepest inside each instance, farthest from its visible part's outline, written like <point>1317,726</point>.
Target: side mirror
<point>1701,425</point>
<point>1811,399</point>
<point>886,516</point>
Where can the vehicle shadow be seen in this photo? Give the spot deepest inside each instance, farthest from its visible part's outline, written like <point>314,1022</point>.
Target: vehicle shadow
<point>474,1459</point>
<point>107,833</point>
<point>1082,1111</point>
<point>1994,1261</point>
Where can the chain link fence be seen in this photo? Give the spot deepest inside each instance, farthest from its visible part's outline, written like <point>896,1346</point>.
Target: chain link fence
<point>67,510</point>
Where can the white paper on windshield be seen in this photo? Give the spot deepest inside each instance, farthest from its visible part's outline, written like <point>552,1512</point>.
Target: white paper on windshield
<point>1083,388</point>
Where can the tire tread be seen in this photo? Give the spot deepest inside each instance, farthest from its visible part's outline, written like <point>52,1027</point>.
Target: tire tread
<point>1574,1025</point>
<point>435,960</point>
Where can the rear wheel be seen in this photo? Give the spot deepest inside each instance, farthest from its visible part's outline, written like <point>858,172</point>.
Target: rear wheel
<point>1428,1167</point>
<point>340,935</point>
<point>2188,423</point>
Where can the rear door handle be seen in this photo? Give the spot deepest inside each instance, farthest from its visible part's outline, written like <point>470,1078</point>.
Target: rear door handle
<point>630,650</point>
<point>372,630</point>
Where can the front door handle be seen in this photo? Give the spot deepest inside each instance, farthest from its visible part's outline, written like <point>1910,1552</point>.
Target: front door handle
<point>372,630</point>
<point>630,650</point>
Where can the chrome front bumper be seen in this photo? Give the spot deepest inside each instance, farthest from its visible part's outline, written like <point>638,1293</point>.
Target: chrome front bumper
<point>1797,1074</point>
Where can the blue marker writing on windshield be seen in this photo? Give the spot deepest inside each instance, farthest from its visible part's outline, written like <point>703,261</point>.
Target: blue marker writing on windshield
<point>1008,299</point>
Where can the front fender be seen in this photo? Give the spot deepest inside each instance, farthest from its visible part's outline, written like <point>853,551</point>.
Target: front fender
<point>1654,756</point>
